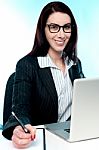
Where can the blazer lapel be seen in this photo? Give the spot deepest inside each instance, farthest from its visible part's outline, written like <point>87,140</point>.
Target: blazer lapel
<point>46,77</point>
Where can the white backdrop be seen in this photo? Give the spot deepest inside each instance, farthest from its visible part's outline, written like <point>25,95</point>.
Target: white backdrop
<point>17,29</point>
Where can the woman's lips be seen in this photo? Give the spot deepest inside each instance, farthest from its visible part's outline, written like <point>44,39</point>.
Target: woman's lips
<point>60,43</point>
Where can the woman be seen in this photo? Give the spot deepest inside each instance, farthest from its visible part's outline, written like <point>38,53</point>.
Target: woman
<point>42,91</point>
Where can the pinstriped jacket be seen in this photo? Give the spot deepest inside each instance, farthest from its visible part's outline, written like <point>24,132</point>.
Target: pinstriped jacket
<point>34,97</point>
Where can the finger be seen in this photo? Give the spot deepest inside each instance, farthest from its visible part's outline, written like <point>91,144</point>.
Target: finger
<point>19,133</point>
<point>20,143</point>
<point>32,131</point>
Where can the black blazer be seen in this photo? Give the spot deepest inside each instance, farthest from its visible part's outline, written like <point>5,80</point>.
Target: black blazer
<point>34,97</point>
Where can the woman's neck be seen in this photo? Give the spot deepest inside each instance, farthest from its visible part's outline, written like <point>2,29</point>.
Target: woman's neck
<point>57,60</point>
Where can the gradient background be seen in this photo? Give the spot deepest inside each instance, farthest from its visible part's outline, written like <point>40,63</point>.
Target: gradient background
<point>18,19</point>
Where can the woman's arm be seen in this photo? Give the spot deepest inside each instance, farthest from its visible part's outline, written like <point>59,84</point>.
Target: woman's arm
<point>21,96</point>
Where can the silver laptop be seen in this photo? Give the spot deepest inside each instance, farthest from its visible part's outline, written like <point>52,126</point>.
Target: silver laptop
<point>84,122</point>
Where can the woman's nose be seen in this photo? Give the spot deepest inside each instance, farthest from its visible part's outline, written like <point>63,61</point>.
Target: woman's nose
<point>61,33</point>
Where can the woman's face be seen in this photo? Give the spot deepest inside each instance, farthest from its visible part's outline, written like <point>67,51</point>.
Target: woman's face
<point>56,36</point>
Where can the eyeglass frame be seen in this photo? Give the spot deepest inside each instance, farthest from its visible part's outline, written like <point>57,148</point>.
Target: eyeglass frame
<point>49,25</point>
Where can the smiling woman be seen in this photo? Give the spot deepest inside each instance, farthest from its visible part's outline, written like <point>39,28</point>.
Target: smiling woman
<point>47,77</point>
<point>43,80</point>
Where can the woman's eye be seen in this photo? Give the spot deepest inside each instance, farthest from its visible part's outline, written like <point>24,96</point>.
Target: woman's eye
<point>67,26</point>
<point>54,26</point>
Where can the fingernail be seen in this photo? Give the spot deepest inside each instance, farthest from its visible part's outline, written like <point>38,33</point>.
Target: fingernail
<point>32,138</point>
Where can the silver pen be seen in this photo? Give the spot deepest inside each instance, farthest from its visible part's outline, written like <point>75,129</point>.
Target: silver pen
<point>21,124</point>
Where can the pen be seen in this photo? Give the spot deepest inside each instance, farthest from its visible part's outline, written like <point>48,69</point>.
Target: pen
<point>20,122</point>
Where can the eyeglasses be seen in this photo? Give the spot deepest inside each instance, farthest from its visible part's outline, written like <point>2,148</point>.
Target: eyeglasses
<point>55,28</point>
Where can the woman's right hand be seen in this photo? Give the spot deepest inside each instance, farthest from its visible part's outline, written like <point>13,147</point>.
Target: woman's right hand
<point>20,139</point>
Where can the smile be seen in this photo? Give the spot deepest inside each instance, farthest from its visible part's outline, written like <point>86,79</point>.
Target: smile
<point>59,42</point>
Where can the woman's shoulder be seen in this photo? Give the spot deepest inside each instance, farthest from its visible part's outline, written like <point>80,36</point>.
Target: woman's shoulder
<point>28,60</point>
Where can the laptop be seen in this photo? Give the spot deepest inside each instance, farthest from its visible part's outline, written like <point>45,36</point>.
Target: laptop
<point>84,123</point>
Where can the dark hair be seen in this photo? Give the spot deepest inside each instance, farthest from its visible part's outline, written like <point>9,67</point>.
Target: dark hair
<point>41,45</point>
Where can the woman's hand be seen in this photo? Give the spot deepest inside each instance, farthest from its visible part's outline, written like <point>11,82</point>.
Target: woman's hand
<point>20,139</point>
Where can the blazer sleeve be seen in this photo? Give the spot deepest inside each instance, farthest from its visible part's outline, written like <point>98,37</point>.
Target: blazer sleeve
<point>23,85</point>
